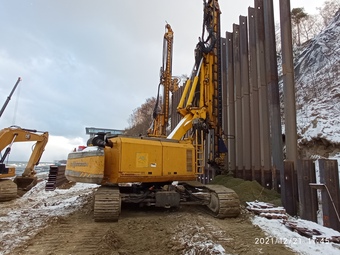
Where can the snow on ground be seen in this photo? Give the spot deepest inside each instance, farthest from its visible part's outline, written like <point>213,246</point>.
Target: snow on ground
<point>278,233</point>
<point>198,240</point>
<point>21,219</point>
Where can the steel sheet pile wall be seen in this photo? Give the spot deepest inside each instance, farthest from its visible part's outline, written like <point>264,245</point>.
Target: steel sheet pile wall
<point>251,49</point>
<point>251,117</point>
<point>322,176</point>
<point>330,193</point>
<point>307,196</point>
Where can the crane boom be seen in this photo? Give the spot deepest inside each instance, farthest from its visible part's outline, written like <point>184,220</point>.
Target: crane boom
<point>9,97</point>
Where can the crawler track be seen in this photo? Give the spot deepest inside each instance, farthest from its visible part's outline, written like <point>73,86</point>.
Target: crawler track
<point>224,202</point>
<point>8,190</point>
<point>107,204</point>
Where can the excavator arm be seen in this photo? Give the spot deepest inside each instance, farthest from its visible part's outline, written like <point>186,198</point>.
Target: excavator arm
<point>13,134</point>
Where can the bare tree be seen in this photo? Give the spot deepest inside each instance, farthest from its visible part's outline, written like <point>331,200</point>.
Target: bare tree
<point>310,27</point>
<point>328,10</point>
<point>141,118</point>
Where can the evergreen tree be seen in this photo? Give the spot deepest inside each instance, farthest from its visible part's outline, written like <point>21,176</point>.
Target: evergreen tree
<point>298,14</point>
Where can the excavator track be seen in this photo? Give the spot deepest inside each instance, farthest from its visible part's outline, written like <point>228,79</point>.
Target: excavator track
<point>107,204</point>
<point>8,190</point>
<point>224,202</point>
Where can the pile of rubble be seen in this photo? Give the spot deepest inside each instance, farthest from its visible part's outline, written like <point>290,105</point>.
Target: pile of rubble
<point>271,211</point>
<point>267,210</point>
<point>311,233</point>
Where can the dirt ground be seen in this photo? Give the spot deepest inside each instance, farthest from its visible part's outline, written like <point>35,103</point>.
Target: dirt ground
<point>149,231</point>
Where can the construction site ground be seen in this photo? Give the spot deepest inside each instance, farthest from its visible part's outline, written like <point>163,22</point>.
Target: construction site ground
<point>60,222</point>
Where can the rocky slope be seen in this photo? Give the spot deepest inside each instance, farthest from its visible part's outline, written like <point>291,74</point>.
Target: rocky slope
<point>317,77</point>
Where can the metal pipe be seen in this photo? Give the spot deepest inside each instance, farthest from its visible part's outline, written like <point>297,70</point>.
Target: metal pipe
<point>245,97</point>
<point>273,89</point>
<point>237,98</point>
<point>262,85</point>
<point>288,81</point>
<point>254,99</point>
<point>230,104</point>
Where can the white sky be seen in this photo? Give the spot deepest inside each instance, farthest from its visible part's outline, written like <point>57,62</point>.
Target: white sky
<point>91,63</point>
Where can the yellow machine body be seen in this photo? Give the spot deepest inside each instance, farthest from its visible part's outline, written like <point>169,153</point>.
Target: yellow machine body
<point>133,160</point>
<point>9,173</point>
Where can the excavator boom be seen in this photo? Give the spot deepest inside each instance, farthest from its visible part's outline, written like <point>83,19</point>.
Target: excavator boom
<point>11,135</point>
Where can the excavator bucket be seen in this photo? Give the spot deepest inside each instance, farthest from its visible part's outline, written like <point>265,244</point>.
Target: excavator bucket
<point>25,183</point>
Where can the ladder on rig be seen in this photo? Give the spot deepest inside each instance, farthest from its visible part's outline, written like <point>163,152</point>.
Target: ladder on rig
<point>199,151</point>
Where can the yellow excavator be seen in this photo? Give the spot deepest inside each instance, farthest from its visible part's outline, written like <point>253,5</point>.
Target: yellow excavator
<point>8,136</point>
<point>163,171</point>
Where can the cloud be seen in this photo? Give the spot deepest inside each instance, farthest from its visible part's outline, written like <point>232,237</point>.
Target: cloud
<point>57,148</point>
